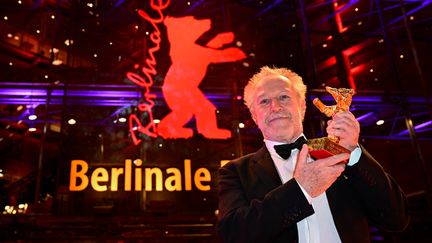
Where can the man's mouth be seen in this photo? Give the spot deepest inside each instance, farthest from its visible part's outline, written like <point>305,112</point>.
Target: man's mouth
<point>277,118</point>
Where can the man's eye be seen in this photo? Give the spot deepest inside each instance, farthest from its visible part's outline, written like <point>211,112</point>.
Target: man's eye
<point>264,102</point>
<point>284,97</point>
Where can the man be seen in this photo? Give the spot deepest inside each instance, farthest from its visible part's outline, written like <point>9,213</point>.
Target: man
<point>266,198</point>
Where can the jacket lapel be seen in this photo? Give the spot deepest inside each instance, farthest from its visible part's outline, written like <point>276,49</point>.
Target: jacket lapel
<point>265,169</point>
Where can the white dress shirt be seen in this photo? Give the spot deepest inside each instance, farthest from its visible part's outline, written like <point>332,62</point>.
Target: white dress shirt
<point>318,227</point>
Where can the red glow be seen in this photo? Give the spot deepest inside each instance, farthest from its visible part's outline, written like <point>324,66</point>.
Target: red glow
<point>180,88</point>
<point>135,124</point>
<point>189,66</point>
<point>342,29</point>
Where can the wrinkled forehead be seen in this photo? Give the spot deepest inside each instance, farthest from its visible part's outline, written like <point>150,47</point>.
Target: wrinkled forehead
<point>272,83</point>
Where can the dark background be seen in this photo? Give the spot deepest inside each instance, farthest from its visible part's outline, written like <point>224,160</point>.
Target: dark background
<point>381,48</point>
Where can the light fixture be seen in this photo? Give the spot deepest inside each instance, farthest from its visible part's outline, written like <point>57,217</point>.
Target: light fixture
<point>71,121</point>
<point>32,129</point>
<point>380,122</point>
<point>122,119</point>
<point>32,117</point>
<point>156,121</point>
<point>241,125</point>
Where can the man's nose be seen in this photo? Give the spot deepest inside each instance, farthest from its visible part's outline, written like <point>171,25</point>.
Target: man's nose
<point>275,105</point>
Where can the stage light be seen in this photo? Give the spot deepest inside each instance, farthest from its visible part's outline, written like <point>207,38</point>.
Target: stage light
<point>37,31</point>
<point>380,122</point>
<point>10,63</point>
<point>156,121</point>
<point>371,70</point>
<point>241,125</point>
<point>5,17</point>
<point>32,117</point>
<point>19,1</point>
<point>95,55</point>
<point>401,56</point>
<point>122,119</point>
<point>57,62</point>
<point>32,129</point>
<point>71,121</point>
<point>52,16</point>
<point>9,35</point>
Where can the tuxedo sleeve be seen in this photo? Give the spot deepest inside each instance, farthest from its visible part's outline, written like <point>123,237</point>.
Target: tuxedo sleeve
<point>250,212</point>
<point>383,200</point>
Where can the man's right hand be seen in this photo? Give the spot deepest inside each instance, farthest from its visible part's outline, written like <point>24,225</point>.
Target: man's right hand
<point>317,176</point>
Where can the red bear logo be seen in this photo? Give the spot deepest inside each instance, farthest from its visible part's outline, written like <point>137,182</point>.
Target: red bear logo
<point>189,66</point>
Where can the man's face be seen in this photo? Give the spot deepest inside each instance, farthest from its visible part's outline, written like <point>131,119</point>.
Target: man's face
<point>277,109</point>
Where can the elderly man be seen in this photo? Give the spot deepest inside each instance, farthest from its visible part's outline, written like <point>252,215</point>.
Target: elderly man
<point>264,197</point>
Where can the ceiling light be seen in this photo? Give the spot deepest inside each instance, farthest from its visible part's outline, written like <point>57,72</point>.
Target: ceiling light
<point>32,117</point>
<point>57,62</point>
<point>32,129</point>
<point>156,121</point>
<point>71,121</point>
<point>122,119</point>
<point>241,125</point>
<point>380,122</point>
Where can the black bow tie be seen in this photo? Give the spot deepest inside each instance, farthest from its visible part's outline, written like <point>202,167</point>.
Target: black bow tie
<point>284,150</point>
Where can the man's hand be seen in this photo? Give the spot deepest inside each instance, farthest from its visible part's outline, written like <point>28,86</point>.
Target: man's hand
<point>317,176</point>
<point>345,126</point>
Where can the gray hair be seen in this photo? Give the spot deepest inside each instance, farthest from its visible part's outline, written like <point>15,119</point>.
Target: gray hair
<point>296,81</point>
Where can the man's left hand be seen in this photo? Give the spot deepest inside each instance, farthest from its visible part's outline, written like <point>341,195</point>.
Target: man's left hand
<point>345,126</point>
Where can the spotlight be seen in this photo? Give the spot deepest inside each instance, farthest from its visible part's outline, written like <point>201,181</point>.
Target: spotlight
<point>71,121</point>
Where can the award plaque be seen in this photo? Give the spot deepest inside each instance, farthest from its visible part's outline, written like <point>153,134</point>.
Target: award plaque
<point>327,146</point>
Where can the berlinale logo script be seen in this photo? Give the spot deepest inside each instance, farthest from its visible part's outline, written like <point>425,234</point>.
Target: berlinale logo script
<point>180,87</point>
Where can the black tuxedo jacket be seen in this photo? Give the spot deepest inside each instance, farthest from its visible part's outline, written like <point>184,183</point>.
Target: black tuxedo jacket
<point>254,205</point>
